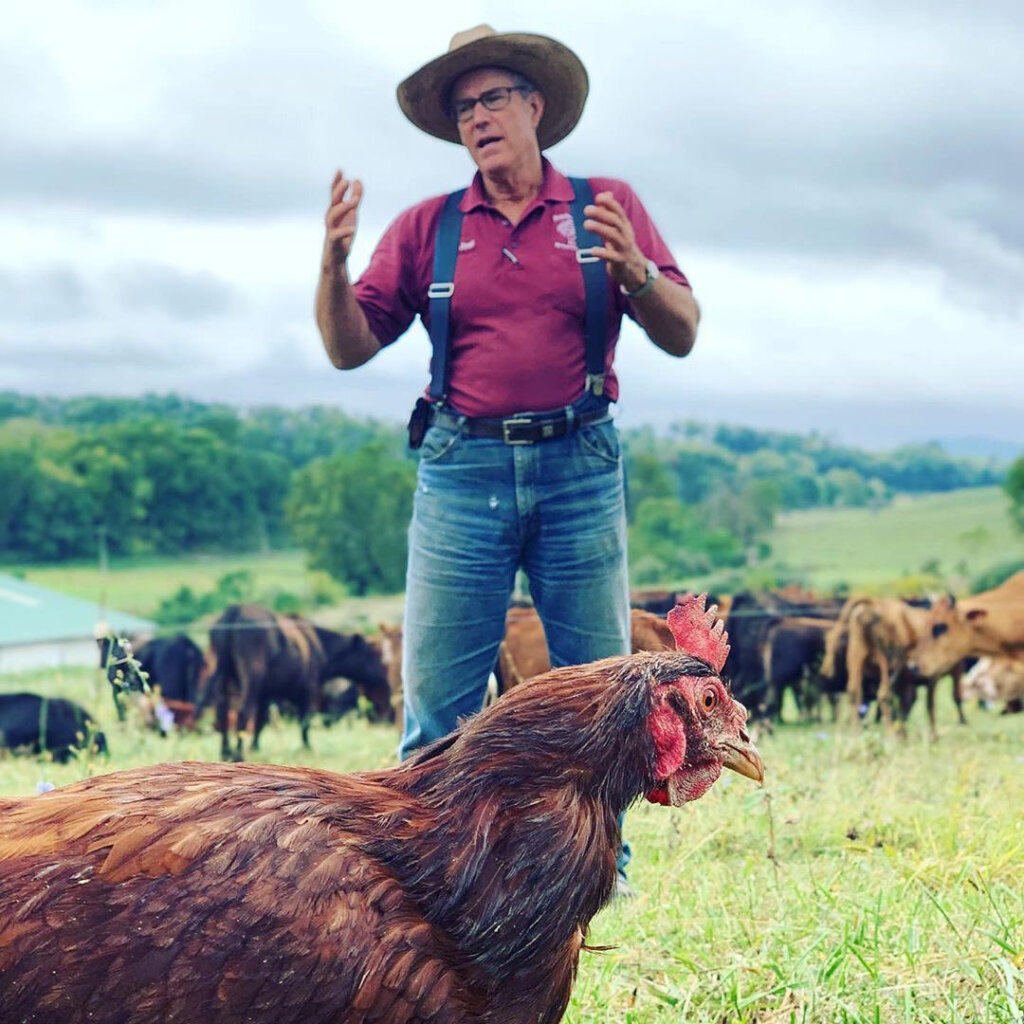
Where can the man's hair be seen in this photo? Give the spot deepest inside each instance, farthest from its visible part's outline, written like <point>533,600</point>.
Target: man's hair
<point>521,81</point>
<point>518,81</point>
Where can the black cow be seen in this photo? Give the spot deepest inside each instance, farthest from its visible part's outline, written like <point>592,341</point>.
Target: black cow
<point>174,663</point>
<point>351,656</point>
<point>263,658</point>
<point>749,619</point>
<point>752,617</point>
<point>47,723</point>
<point>792,654</point>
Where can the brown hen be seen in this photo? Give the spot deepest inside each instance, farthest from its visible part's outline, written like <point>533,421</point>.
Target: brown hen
<point>456,887</point>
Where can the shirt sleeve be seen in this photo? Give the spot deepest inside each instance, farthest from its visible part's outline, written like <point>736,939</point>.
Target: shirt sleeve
<point>392,290</point>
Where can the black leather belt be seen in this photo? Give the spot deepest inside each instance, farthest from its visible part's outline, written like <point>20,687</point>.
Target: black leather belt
<point>526,428</point>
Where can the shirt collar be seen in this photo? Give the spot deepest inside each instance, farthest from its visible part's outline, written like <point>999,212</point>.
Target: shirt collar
<point>555,188</point>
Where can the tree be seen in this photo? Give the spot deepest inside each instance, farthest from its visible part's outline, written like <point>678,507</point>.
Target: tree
<point>646,477</point>
<point>1014,487</point>
<point>351,514</point>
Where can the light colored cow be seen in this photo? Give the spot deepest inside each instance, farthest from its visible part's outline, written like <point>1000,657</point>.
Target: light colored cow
<point>995,679</point>
<point>991,623</point>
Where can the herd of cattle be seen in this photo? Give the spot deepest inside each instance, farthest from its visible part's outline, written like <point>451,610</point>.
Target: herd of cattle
<point>869,648</point>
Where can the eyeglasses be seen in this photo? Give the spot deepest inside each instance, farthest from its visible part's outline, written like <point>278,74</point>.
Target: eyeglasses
<point>493,99</point>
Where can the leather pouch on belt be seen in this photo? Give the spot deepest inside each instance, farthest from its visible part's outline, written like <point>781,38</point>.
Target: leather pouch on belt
<point>418,422</point>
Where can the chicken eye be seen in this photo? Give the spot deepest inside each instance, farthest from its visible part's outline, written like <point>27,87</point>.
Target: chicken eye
<point>709,700</point>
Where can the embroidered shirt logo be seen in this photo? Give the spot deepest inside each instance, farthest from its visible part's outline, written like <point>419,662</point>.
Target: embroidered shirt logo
<point>567,231</point>
<point>466,245</point>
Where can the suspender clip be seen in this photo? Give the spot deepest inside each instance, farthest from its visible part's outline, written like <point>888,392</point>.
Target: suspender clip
<point>441,289</point>
<point>595,384</point>
<point>586,256</point>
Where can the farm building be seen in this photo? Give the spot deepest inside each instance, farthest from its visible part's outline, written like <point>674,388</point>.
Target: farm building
<point>42,628</point>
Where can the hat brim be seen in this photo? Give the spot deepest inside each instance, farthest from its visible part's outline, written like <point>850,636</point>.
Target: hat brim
<point>550,65</point>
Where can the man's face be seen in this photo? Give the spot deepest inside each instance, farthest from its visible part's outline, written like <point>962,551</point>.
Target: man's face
<point>497,139</point>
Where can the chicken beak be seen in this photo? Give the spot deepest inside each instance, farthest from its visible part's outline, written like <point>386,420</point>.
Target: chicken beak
<point>741,756</point>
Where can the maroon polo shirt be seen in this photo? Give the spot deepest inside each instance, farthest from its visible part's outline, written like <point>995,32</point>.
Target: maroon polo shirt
<point>517,313</point>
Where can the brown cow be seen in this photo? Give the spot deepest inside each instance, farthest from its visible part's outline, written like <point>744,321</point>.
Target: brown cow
<point>523,653</point>
<point>990,623</point>
<point>879,631</point>
<point>390,645</point>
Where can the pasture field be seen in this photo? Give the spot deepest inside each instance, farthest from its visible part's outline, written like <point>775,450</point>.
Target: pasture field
<point>872,879</point>
<point>137,586</point>
<point>961,532</point>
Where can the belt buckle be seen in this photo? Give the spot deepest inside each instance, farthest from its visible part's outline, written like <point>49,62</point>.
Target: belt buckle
<point>515,421</point>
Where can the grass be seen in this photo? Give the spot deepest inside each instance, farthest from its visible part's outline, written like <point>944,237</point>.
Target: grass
<point>137,586</point>
<point>964,532</point>
<point>871,880</point>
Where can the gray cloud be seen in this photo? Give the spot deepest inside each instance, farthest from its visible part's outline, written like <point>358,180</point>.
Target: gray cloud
<point>183,296</point>
<point>843,135</point>
<point>47,295</point>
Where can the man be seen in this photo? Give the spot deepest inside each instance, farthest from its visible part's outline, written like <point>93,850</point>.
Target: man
<point>520,464</point>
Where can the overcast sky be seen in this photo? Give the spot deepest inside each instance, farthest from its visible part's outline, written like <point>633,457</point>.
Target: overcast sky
<point>841,181</point>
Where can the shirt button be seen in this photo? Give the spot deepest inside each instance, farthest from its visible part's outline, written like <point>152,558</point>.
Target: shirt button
<point>507,223</point>
<point>513,244</point>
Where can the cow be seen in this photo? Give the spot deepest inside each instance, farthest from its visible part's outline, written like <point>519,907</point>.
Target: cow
<point>390,641</point>
<point>881,632</point>
<point>48,723</point>
<point>660,601</point>
<point>263,658</point>
<point>991,623</point>
<point>792,654</point>
<point>751,618</point>
<point>996,678</point>
<point>173,665</point>
<point>352,656</point>
<point>523,653</point>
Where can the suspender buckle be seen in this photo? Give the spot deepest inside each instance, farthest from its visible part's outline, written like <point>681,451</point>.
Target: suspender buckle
<point>586,256</point>
<point>595,384</point>
<point>441,290</point>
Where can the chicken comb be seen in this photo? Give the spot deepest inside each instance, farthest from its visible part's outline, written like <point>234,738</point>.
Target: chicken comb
<point>699,632</point>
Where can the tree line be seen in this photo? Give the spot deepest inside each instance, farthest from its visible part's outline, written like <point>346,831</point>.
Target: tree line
<point>168,475</point>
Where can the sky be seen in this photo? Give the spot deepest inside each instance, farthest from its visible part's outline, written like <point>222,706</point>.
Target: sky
<point>840,180</point>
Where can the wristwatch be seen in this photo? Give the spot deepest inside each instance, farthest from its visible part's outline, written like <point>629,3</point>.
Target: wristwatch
<point>653,273</point>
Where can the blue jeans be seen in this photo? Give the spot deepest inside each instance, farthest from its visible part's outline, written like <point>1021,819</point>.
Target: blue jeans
<point>484,509</point>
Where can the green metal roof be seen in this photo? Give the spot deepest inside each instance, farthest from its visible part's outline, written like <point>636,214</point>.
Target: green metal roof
<point>33,614</point>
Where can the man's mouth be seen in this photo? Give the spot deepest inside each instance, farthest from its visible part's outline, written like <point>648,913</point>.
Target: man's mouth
<point>487,140</point>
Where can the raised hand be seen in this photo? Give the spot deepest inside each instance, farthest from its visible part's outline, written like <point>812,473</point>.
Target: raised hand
<point>341,219</point>
<point>625,262</point>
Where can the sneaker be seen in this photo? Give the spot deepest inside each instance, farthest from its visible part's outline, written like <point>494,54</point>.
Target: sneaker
<point>623,890</point>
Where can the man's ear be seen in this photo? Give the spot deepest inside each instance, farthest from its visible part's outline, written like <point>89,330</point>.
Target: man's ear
<point>536,101</point>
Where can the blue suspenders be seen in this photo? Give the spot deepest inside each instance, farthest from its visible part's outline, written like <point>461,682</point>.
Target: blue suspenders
<point>595,286</point>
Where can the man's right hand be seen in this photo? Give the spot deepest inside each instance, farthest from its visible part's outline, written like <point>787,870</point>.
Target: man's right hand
<point>341,221</point>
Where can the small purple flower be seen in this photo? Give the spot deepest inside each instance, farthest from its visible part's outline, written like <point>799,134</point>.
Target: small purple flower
<point>862,710</point>
<point>44,787</point>
<point>822,735</point>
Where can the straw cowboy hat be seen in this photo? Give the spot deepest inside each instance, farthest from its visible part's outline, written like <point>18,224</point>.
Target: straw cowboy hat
<point>550,65</point>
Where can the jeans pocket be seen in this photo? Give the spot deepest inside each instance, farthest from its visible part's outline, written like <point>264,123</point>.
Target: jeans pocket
<point>437,443</point>
<point>602,441</point>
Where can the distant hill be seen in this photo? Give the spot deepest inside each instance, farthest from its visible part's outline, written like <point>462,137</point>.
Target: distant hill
<point>982,448</point>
